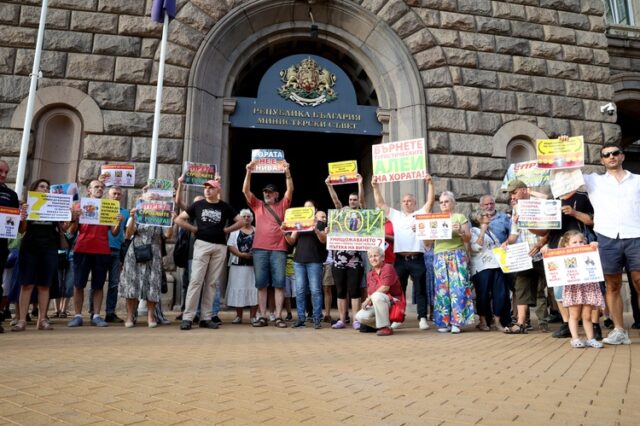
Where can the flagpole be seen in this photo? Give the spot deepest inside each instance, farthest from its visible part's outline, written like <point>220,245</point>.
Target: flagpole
<point>35,75</point>
<point>156,112</point>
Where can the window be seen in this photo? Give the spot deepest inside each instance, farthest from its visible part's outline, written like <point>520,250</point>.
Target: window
<point>622,12</point>
<point>520,149</point>
<point>57,150</point>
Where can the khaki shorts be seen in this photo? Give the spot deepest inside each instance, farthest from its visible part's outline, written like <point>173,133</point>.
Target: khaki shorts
<point>327,277</point>
<point>526,284</point>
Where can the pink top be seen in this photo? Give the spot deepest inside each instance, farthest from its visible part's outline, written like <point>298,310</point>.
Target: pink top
<point>269,236</point>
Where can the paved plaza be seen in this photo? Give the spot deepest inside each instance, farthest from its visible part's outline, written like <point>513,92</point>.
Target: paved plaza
<point>244,375</point>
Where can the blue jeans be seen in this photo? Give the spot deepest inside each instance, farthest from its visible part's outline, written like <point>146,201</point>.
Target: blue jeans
<point>269,266</point>
<point>308,275</point>
<point>414,268</point>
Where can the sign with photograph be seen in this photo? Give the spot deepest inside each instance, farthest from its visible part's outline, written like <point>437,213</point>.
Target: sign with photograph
<point>96,211</point>
<point>9,222</point>
<point>47,207</point>
<point>154,213</point>
<point>160,188</point>
<point>398,161</point>
<point>433,226</point>
<point>514,258</point>
<point>66,188</point>
<point>119,174</point>
<point>268,160</point>
<point>539,214</point>
<point>572,265</point>
<point>560,154</point>
<point>528,172</point>
<point>343,172</point>
<point>351,229</point>
<point>197,174</point>
<point>299,219</point>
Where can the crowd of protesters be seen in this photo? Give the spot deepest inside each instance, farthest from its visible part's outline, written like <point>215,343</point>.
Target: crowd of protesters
<point>457,283</point>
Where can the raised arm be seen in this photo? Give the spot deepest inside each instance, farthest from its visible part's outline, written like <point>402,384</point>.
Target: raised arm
<point>246,186</point>
<point>361,201</point>
<point>332,193</point>
<point>289,180</point>
<point>377,195</point>
<point>431,194</point>
<point>182,205</point>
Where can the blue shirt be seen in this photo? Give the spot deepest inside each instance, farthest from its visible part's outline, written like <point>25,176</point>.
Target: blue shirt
<point>500,225</point>
<point>116,242</point>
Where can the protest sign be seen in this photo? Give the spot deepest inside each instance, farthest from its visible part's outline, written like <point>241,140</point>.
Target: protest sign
<point>42,206</point>
<point>119,174</point>
<point>343,172</point>
<point>197,174</point>
<point>9,222</point>
<point>539,214</point>
<point>154,212</point>
<point>572,265</point>
<point>95,211</point>
<point>433,226</point>
<point>159,188</point>
<point>268,160</point>
<point>565,181</point>
<point>398,161</point>
<point>299,219</point>
<point>514,258</point>
<point>559,154</point>
<point>528,172</point>
<point>355,229</point>
<point>66,188</point>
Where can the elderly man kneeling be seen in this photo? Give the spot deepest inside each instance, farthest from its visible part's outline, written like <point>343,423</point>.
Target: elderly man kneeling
<point>383,287</point>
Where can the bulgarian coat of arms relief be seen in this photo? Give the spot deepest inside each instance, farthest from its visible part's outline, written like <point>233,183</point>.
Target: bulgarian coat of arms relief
<point>307,84</point>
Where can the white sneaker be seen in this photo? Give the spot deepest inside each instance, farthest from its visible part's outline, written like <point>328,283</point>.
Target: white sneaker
<point>424,325</point>
<point>617,337</point>
<point>395,325</point>
<point>444,329</point>
<point>455,329</point>
<point>272,317</point>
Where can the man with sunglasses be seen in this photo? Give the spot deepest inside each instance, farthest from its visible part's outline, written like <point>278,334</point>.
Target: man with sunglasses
<point>615,196</point>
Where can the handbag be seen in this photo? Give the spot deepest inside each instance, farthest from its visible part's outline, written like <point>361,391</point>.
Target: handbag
<point>143,253</point>
<point>397,311</point>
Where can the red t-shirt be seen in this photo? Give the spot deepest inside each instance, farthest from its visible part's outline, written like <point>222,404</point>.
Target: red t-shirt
<point>269,236</point>
<point>387,277</point>
<point>93,239</point>
<point>389,255</point>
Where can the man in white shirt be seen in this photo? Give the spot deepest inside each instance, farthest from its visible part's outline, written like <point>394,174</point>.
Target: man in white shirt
<point>615,197</point>
<point>408,249</point>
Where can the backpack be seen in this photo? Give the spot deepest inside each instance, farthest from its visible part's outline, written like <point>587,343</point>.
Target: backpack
<point>181,249</point>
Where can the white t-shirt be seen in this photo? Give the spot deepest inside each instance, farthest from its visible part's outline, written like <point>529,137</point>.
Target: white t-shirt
<point>404,236</point>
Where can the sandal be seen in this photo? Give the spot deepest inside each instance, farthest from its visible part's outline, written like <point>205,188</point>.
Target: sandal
<point>516,329</point>
<point>577,343</point>
<point>259,322</point>
<point>19,326</point>
<point>45,325</point>
<point>280,323</point>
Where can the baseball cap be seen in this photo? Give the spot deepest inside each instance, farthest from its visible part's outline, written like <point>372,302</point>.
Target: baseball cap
<point>515,184</point>
<point>212,183</point>
<point>271,187</point>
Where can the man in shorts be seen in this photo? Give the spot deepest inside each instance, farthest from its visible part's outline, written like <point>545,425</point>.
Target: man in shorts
<point>8,198</point>
<point>269,246</point>
<point>615,196</point>
<point>91,255</point>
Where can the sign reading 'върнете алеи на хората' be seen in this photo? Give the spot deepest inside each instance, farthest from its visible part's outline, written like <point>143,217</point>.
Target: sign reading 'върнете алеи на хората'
<point>306,93</point>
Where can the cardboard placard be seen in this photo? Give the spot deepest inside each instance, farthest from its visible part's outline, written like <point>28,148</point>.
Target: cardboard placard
<point>47,207</point>
<point>572,265</point>
<point>433,226</point>
<point>197,174</point>
<point>299,219</point>
<point>398,161</point>
<point>343,172</point>
<point>9,222</point>
<point>352,229</point>
<point>539,214</point>
<point>119,174</point>
<point>96,211</point>
<point>268,160</point>
<point>558,154</point>
<point>154,212</point>
<point>514,258</point>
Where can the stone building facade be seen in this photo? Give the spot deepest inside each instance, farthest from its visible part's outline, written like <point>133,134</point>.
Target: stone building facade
<point>479,79</point>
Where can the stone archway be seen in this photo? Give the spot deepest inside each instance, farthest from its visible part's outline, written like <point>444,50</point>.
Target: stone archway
<point>343,25</point>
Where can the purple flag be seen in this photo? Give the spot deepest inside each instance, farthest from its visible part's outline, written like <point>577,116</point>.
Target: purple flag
<point>160,7</point>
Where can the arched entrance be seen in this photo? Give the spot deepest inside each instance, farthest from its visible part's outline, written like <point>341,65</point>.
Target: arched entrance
<point>248,39</point>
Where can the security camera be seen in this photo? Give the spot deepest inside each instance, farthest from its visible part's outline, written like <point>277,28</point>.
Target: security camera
<point>609,108</point>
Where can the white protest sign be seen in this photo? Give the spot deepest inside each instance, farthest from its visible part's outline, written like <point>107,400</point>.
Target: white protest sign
<point>572,265</point>
<point>433,226</point>
<point>42,206</point>
<point>9,222</point>
<point>514,258</point>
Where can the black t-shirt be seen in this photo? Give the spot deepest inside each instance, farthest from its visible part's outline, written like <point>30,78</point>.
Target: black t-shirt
<point>8,198</point>
<point>580,202</point>
<point>40,236</point>
<point>309,249</point>
<point>211,218</point>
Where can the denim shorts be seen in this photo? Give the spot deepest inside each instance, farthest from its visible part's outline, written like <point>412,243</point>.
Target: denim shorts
<point>616,254</point>
<point>270,268</point>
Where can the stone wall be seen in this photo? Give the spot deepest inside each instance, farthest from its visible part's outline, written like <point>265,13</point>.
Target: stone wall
<point>483,64</point>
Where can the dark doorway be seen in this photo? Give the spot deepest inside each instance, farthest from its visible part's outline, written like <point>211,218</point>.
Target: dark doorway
<point>307,153</point>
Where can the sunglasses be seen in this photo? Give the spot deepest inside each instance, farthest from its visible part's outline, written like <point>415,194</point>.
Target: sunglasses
<point>611,153</point>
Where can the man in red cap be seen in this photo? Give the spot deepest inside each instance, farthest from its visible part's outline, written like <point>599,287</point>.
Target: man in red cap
<point>209,250</point>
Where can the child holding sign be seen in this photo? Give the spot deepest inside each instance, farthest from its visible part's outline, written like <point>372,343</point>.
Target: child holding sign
<point>581,299</point>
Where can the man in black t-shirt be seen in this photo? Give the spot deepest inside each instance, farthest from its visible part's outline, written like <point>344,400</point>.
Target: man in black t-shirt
<point>209,217</point>
<point>8,198</point>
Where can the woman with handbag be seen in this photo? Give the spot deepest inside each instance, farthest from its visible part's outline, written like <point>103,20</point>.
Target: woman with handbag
<point>384,290</point>
<point>141,276</point>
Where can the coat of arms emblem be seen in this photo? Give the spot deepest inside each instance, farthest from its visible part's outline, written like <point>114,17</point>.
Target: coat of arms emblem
<point>307,84</point>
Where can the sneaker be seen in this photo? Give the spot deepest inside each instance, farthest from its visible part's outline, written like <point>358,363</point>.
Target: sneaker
<point>446,329</point>
<point>455,329</point>
<point>216,319</point>
<point>577,343</point>
<point>617,337</point>
<point>317,324</point>
<point>593,343</point>
<point>562,332</point>
<point>289,317</point>
<point>299,324</point>
<point>237,320</point>
<point>327,319</point>
<point>208,324</point>
<point>165,321</point>
<point>528,326</point>
<point>272,317</point>
<point>597,332</point>
<point>196,319</point>
<point>366,329</point>
<point>424,325</point>
<point>75,322</point>
<point>384,331</point>
<point>608,323</point>
<point>99,322</point>
<point>356,325</point>
<point>185,325</point>
<point>338,324</point>
<point>394,325</point>
<point>113,318</point>
<point>179,317</point>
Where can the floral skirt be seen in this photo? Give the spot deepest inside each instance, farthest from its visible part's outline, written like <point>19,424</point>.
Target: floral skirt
<point>454,290</point>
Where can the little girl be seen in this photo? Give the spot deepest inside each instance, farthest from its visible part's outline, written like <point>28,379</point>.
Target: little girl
<point>581,299</point>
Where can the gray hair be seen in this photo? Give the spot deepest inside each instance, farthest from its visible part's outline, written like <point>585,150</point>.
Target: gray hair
<point>484,197</point>
<point>246,212</point>
<point>476,216</point>
<point>449,195</point>
<point>378,250</point>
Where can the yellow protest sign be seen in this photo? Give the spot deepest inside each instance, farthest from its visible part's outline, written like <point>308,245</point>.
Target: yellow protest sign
<point>299,219</point>
<point>343,172</point>
<point>560,154</point>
